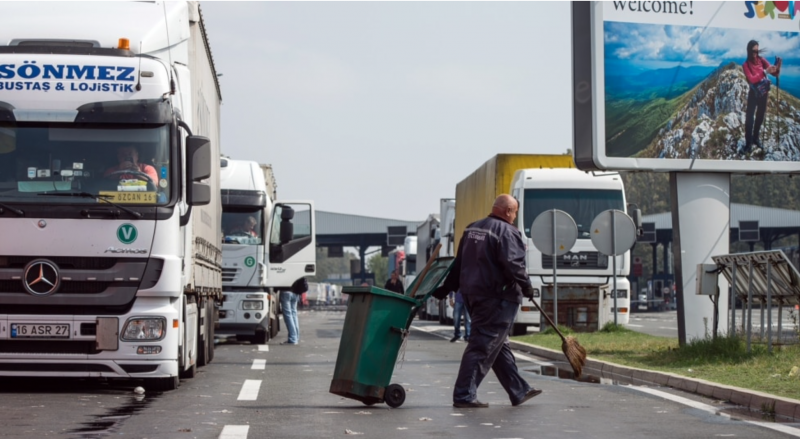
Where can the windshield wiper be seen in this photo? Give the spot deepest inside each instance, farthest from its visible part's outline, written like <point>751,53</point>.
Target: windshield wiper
<point>15,210</point>
<point>95,197</point>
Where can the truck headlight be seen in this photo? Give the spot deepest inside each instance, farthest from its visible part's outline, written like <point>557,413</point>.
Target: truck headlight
<point>252,304</point>
<point>144,328</point>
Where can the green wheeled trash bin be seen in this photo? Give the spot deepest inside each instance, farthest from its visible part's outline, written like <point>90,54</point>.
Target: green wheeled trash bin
<point>375,326</point>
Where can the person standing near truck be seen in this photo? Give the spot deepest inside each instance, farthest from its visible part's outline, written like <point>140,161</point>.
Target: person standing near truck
<point>289,299</point>
<point>489,269</point>
<point>459,310</point>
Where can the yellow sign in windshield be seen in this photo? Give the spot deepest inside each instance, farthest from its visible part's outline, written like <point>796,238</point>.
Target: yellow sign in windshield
<point>129,197</point>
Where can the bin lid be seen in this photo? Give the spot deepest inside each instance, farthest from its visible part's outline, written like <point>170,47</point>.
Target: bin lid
<point>435,277</point>
<point>377,291</point>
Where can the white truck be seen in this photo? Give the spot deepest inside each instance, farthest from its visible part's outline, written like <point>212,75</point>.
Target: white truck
<point>110,261</point>
<point>255,268</point>
<point>442,232</point>
<point>585,277</point>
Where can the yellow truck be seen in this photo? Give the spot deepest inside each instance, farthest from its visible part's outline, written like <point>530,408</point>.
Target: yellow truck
<point>476,193</point>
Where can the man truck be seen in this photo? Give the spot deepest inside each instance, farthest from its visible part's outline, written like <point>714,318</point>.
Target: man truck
<point>544,182</point>
<point>252,275</point>
<point>110,261</point>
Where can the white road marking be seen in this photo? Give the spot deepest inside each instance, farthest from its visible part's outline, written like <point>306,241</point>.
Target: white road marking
<point>634,326</point>
<point>263,348</point>
<point>234,432</point>
<point>791,431</point>
<point>259,364</point>
<point>667,327</point>
<point>249,390</point>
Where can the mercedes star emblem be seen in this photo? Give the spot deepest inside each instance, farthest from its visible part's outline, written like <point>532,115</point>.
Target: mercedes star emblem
<point>41,277</point>
<point>42,224</point>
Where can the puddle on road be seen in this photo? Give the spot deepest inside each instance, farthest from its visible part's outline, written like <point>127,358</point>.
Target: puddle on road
<point>109,423</point>
<point>565,373</point>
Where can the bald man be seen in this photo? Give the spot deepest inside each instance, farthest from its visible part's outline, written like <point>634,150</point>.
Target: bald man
<point>490,272</point>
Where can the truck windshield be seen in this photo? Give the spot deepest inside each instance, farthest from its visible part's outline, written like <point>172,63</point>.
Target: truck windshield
<point>127,164</point>
<point>583,205</point>
<point>242,227</point>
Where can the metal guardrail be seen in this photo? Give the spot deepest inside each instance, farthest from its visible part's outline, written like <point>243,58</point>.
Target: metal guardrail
<point>763,278</point>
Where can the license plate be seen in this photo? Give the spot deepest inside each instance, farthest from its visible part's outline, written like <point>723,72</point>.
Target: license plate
<point>39,330</point>
<point>130,197</point>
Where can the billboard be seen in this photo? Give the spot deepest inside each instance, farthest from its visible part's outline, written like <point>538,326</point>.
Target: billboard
<point>687,86</point>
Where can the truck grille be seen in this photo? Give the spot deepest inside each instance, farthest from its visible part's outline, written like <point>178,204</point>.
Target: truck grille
<point>577,261</point>
<point>229,274</point>
<point>85,282</point>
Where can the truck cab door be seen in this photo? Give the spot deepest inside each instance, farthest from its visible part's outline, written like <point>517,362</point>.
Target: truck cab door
<point>292,243</point>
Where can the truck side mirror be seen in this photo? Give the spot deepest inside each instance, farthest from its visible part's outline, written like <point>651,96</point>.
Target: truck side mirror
<point>636,216</point>
<point>198,194</point>
<point>198,158</point>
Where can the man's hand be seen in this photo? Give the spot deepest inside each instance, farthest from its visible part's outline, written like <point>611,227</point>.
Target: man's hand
<point>528,292</point>
<point>440,293</point>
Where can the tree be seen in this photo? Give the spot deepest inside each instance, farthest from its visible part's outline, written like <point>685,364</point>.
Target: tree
<point>379,266</point>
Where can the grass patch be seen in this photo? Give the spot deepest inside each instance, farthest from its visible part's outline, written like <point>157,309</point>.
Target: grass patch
<point>724,360</point>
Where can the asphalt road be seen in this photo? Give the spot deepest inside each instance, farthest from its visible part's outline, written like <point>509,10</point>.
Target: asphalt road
<point>274,391</point>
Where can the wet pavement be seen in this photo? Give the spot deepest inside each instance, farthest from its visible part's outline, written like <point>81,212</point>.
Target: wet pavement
<point>274,391</point>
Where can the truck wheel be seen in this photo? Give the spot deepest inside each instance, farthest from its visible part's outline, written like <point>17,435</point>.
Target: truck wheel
<point>394,395</point>
<point>202,341</point>
<point>519,329</point>
<point>210,331</point>
<point>261,337</point>
<point>273,327</point>
<point>162,384</point>
<point>190,372</point>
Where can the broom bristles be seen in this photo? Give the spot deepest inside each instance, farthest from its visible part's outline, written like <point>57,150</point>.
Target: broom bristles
<point>575,353</point>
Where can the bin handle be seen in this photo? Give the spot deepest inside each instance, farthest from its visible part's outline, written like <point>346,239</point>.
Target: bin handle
<point>402,331</point>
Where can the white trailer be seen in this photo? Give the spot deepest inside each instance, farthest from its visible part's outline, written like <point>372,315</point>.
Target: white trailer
<point>110,220</point>
<point>260,254</point>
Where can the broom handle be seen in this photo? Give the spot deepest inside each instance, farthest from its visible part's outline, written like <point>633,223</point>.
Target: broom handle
<point>548,319</point>
<point>425,270</point>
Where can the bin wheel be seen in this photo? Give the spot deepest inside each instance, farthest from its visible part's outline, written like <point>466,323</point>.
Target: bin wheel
<point>395,395</point>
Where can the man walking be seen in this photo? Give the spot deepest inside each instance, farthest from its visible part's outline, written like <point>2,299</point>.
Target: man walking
<point>490,272</point>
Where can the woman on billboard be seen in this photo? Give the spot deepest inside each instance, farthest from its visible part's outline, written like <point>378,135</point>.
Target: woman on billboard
<point>756,69</point>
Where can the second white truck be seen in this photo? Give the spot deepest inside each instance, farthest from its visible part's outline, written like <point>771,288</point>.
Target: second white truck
<point>267,245</point>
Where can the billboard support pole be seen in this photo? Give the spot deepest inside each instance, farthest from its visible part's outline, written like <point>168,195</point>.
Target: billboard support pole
<point>700,229</point>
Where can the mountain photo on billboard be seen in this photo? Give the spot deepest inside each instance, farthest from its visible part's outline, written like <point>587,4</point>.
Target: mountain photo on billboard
<point>680,92</point>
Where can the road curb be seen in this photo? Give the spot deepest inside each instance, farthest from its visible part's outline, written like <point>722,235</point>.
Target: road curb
<point>752,399</point>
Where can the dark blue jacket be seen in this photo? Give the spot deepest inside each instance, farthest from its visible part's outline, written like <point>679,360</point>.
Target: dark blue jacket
<point>490,261</point>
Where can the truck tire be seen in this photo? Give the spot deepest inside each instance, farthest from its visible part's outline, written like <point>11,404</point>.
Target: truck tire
<point>162,384</point>
<point>519,329</point>
<point>212,324</point>
<point>189,373</point>
<point>202,340</point>
<point>261,337</point>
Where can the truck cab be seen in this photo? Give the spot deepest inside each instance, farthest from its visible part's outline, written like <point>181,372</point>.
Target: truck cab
<point>266,246</point>
<point>585,276</point>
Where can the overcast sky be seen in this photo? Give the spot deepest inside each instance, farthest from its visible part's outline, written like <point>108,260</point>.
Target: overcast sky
<point>379,109</point>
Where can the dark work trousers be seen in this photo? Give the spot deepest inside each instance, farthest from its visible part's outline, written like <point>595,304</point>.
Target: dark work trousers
<point>756,107</point>
<point>488,348</point>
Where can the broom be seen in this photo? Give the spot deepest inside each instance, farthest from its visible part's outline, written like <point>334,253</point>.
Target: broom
<point>575,353</point>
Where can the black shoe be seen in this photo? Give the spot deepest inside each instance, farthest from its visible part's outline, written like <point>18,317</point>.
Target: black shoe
<point>531,393</point>
<point>454,339</point>
<point>471,405</point>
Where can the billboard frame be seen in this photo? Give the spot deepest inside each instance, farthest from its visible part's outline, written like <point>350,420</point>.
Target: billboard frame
<point>589,130</point>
